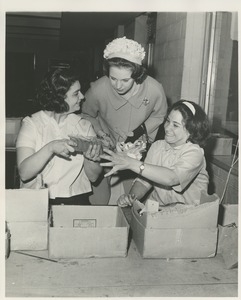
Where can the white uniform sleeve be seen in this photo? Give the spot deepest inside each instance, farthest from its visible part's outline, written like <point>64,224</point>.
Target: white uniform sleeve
<point>188,167</point>
<point>27,134</point>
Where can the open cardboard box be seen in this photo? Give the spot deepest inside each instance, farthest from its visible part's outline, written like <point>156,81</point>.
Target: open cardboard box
<point>88,231</point>
<point>191,234</point>
<point>228,234</point>
<point>219,144</point>
<point>27,218</point>
<point>12,129</point>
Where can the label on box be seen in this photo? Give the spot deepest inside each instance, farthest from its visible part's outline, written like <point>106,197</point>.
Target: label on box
<point>84,223</point>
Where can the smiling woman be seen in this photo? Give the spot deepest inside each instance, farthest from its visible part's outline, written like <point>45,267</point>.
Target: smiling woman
<point>175,132</point>
<point>175,167</point>
<point>74,97</point>
<point>46,155</point>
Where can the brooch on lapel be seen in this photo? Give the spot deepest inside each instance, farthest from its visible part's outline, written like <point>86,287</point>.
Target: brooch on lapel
<point>146,101</point>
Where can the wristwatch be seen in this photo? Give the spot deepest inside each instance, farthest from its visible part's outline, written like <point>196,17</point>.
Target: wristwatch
<point>142,167</point>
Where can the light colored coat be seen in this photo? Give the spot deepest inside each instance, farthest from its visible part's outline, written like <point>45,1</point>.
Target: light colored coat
<point>148,105</point>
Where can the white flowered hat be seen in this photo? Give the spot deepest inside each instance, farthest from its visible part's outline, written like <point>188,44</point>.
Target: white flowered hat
<point>125,48</point>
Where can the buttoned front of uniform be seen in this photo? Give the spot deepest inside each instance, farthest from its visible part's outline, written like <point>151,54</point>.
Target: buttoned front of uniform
<point>114,111</point>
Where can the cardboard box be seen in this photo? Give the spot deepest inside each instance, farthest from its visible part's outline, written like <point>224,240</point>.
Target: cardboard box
<point>12,129</point>
<point>228,214</point>
<point>88,231</point>
<point>228,234</point>
<point>27,218</point>
<point>191,234</point>
<point>220,145</point>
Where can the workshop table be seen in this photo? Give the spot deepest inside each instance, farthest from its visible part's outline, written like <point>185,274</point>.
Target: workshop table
<point>32,274</point>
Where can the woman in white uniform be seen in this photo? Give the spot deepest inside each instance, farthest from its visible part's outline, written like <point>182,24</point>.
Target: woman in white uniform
<point>46,156</point>
<point>174,167</point>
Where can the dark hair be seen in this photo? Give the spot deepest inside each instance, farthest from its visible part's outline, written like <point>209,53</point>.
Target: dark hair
<point>52,90</point>
<point>196,124</point>
<point>138,71</point>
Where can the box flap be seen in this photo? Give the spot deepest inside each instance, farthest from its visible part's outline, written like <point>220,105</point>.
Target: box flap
<point>208,198</point>
<point>228,214</point>
<point>202,216</point>
<point>86,216</point>
<point>26,205</point>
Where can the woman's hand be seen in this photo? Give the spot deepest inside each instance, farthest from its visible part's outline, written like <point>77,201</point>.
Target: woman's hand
<point>91,162</point>
<point>118,161</point>
<point>93,152</point>
<point>126,200</point>
<point>106,139</point>
<point>62,147</point>
<point>31,163</point>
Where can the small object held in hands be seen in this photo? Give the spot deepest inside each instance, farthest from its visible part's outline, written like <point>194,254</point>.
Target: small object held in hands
<point>83,143</point>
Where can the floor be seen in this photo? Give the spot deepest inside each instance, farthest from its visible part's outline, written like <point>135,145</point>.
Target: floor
<point>32,274</point>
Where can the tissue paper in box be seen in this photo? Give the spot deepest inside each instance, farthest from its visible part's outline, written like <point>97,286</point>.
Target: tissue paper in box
<point>192,234</point>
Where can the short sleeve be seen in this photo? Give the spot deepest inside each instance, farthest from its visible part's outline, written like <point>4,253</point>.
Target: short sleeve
<point>85,128</point>
<point>27,134</point>
<point>188,167</point>
<point>152,154</point>
<point>91,131</point>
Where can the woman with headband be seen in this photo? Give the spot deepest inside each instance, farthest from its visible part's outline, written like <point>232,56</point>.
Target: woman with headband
<point>175,167</point>
<point>125,104</point>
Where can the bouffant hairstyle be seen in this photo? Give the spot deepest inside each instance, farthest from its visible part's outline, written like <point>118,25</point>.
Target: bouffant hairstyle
<point>52,90</point>
<point>138,71</point>
<point>197,124</point>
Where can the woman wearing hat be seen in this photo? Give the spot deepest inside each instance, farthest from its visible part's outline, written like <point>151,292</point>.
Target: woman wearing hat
<point>126,103</point>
